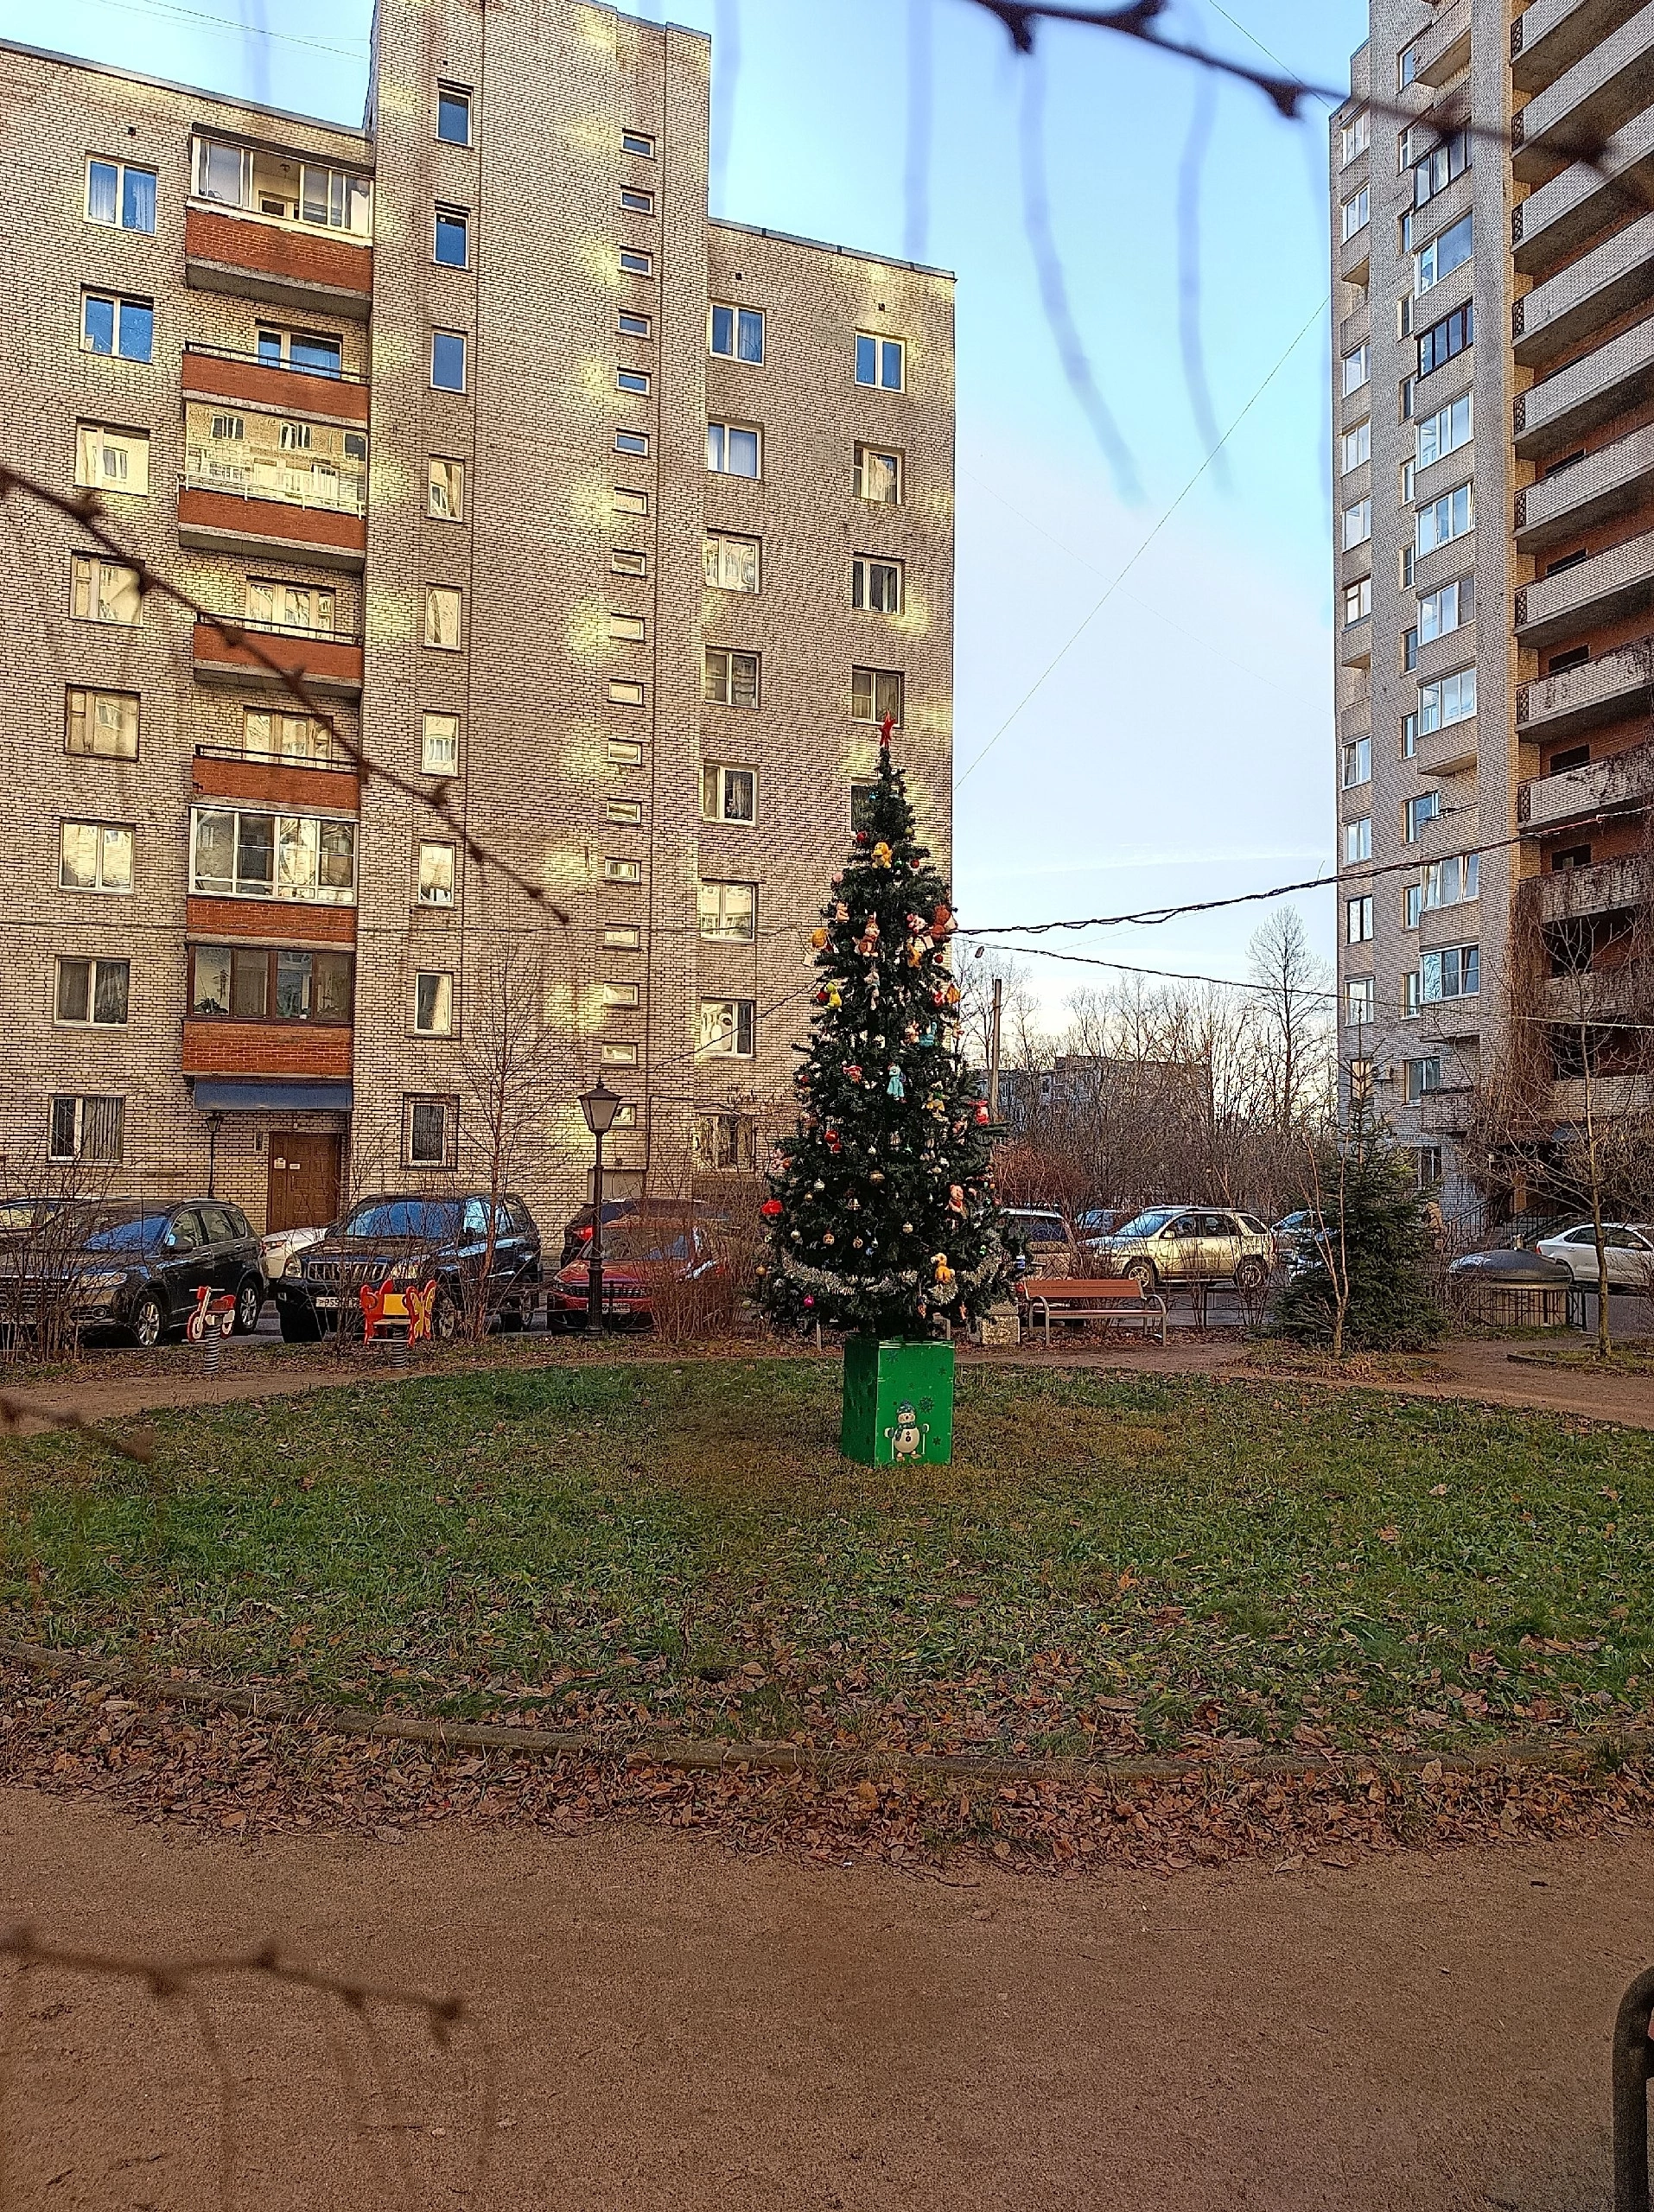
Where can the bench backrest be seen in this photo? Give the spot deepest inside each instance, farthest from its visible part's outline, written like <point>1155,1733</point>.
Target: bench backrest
<point>1117,1289</point>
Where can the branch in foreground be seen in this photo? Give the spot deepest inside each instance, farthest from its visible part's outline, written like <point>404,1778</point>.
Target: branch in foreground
<point>16,1412</point>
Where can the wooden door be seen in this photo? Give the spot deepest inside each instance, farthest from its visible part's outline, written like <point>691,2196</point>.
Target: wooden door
<point>303,1181</point>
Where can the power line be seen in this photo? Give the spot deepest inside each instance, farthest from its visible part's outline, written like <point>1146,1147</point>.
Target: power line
<point>229,24</point>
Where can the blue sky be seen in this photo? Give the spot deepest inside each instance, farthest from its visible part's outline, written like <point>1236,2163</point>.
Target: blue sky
<point>1181,747</point>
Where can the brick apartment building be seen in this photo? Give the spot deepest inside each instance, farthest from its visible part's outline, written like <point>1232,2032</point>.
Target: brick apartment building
<point>622,525</point>
<point>1493,422</point>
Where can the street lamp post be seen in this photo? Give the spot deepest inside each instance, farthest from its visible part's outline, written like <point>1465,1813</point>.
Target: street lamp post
<point>600,1107</point>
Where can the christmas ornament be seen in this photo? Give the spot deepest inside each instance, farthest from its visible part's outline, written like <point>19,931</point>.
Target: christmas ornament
<point>885,728</point>
<point>955,1199</point>
<point>853,1075</point>
<point>944,1272</point>
<point>867,943</point>
<point>929,1037</point>
<point>841,913</point>
<point>771,1208</point>
<point>896,1088</point>
<point>982,1113</point>
<point>881,854</point>
<point>827,1236</point>
<point>818,939</point>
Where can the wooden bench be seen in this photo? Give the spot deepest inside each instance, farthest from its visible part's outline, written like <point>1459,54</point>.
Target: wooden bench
<point>1105,1298</point>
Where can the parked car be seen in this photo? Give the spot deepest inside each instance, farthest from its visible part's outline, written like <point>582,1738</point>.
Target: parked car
<point>577,1229</point>
<point>1191,1244</point>
<point>1628,1247</point>
<point>1098,1222</point>
<point>282,1248</point>
<point>141,1268</point>
<point>639,1253</point>
<point>1044,1236</point>
<point>407,1237</point>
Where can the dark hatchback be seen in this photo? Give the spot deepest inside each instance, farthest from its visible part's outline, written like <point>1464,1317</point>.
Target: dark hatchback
<point>140,1268</point>
<point>407,1238</point>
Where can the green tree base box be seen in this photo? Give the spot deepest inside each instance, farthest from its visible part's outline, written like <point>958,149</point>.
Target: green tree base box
<point>898,1401</point>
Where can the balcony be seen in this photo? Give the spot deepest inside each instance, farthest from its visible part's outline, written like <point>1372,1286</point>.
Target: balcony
<point>1591,291</point>
<point>1622,781</point>
<point>1354,330</point>
<point>287,266</point>
<point>213,1045</point>
<point>1610,481</point>
<point>316,394</point>
<point>290,921</point>
<point>1612,81</point>
<point>1600,994</point>
<point>1581,698</point>
<point>1568,894</point>
<point>221,518</point>
<point>1355,644</point>
<point>225,772</point>
<point>1444,49</point>
<point>1551,35</point>
<point>1562,215</point>
<point>240,652</point>
<point>1600,590</point>
<point>1611,1096</point>
<point>1450,750</point>
<point>1548,418</point>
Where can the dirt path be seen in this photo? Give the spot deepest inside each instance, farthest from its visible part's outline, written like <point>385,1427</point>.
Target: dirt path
<point>679,2028</point>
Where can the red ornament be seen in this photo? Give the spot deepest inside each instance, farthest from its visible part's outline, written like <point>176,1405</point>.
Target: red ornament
<point>860,836</point>
<point>982,1113</point>
<point>769,1208</point>
<point>854,1074</point>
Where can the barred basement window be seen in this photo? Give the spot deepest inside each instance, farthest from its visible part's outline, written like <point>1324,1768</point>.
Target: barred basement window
<point>87,1128</point>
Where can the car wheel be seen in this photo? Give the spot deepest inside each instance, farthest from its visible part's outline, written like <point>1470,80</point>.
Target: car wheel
<point>299,1325</point>
<point>1250,1275</point>
<point>249,1305</point>
<point>148,1321</point>
<point>1141,1272</point>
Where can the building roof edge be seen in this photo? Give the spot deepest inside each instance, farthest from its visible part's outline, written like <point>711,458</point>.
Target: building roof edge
<point>825,246</point>
<point>189,92</point>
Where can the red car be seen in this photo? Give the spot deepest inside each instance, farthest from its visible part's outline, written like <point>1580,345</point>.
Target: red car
<point>639,1254</point>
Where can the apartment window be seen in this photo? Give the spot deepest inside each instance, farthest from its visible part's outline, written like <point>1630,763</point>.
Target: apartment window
<point>735,334</point>
<point>1405,564</point>
<point>1358,920</point>
<point>1357,524</point>
<point>433,882</point>
<point>624,561</point>
<point>730,678</point>
<point>1439,168</point>
<point>453,115</point>
<point>1405,312</point>
<point>305,609</point>
<point>862,795</point>
<point>433,1003</point>
<point>636,263</point>
<point>1451,882</point>
<point>1406,66</point>
<point>92,994</point>
<point>731,563</point>
<point>627,811</point>
<point>727,793</point>
<point>1409,471</point>
<point>1409,1009</point>
<point>430,1131</point>
<point>881,361</point>
<point>445,489</point>
<point>311,354</point>
<point>875,693</point>
<point>1443,340</point>
<point>1411,647</point>
<point>622,936</point>
<point>725,1142</point>
<point>633,196</point>
<point>633,325</point>
<point>1406,140</point>
<point>439,745</point>
<point>617,869</point>
<point>255,983</point>
<point>876,585</point>
<point>443,618</point>
<point>244,854</point>
<point>727,1027</point>
<point>1404,401</point>
<point>630,503</point>
<point>1357,840</point>
<point>1354,136</point>
<point>451,248</point>
<point>1418,812</point>
<point>120,196</point>
<point>1358,600</point>
<point>1559,663</point>
<point>616,1055</point>
<point>1451,699</point>
<point>95,856</point>
<point>1412,905</point>
<point>635,443</point>
<point>732,450</point>
<point>292,191</point>
<point>1357,762</point>
<point>1357,445</point>
<point>102,724</point>
<point>1454,515</point>
<point>1427,1166</point>
<point>448,360</point>
<point>112,324</point>
<point>629,629</point>
<point>729,911</point>
<point>1455,972</point>
<point>1449,608</point>
<point>638,142</point>
<point>1410,735</point>
<point>625,751</point>
<point>1445,431</point>
<point>1359,1003</point>
<point>622,692</point>
<point>87,1128</point>
<point>1356,369</point>
<point>269,735</point>
<point>635,381</point>
<point>1355,214</point>
<point>878,476</point>
<point>619,998</point>
<point>113,460</point>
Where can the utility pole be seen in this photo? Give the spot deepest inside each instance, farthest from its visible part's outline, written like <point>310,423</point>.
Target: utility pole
<point>993,1050</point>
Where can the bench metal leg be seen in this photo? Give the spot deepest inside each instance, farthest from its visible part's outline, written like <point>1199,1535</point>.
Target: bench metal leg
<point>1633,2062</point>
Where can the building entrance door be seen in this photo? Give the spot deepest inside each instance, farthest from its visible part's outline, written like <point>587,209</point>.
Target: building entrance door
<point>303,1181</point>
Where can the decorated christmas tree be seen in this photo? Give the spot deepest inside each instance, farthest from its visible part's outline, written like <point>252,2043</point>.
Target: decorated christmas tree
<point>882,1219</point>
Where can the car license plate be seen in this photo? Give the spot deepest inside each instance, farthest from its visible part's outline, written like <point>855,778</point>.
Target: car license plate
<point>325,1298</point>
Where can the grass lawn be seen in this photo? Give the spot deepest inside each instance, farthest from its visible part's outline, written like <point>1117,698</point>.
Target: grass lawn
<point>1112,1561</point>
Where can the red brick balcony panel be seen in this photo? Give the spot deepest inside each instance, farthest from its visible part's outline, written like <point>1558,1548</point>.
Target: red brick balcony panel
<point>230,519</point>
<point>325,663</point>
<point>279,1048</point>
<point>213,374</point>
<point>269,261</point>
<point>277,783</point>
<point>271,921</point>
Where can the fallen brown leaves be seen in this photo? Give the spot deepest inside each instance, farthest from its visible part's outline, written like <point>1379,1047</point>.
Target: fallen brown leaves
<point>227,1773</point>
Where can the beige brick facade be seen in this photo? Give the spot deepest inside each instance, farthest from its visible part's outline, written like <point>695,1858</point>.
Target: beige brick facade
<point>583,612</point>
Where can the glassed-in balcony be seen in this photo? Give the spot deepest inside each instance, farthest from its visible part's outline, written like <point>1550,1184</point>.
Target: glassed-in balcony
<point>253,482</point>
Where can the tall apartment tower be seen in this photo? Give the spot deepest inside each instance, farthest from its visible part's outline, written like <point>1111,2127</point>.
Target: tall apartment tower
<point>610,531</point>
<point>1493,445</point>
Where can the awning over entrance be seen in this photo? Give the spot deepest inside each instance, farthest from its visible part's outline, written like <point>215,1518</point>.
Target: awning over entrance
<point>216,1095</point>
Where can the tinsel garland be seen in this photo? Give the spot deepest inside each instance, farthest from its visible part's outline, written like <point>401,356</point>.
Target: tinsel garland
<point>818,1279</point>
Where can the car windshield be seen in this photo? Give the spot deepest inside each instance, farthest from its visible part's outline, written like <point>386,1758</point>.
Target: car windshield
<point>1146,1223</point>
<point>638,1240</point>
<point>1046,1225</point>
<point>427,1220</point>
<point>123,1232</point>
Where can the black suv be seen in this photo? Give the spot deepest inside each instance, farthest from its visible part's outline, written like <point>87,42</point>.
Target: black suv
<point>123,1264</point>
<point>410,1238</point>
